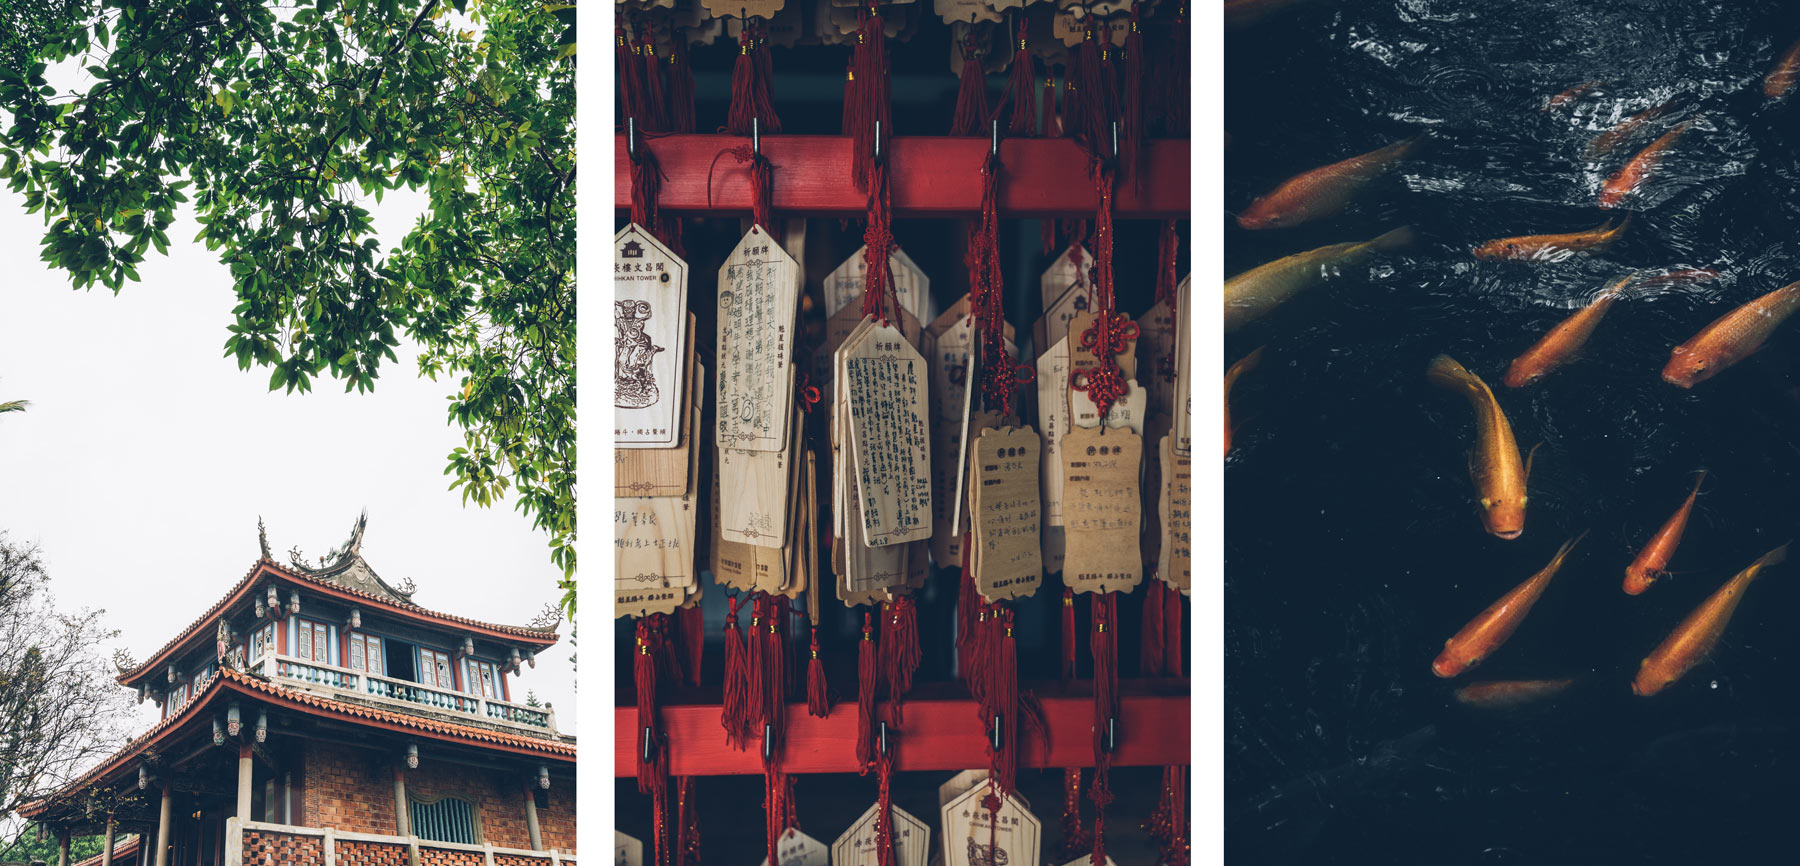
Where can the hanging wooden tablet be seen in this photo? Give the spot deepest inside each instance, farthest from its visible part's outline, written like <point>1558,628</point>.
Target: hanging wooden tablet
<point>627,851</point>
<point>798,849</point>
<point>1007,514</point>
<point>733,563</point>
<point>1156,351</point>
<point>756,486</point>
<point>1184,387</point>
<point>1082,359</point>
<point>1064,274</point>
<point>1176,562</point>
<point>946,542</point>
<point>764,9</point>
<point>844,288</point>
<point>838,329</point>
<point>1102,510</point>
<point>974,836</point>
<point>958,784</point>
<point>1126,413</point>
<point>649,315</point>
<point>661,471</point>
<point>1053,326</point>
<point>885,385</point>
<point>857,847</point>
<point>1153,491</point>
<point>1053,422</point>
<point>759,293</point>
<point>870,573</point>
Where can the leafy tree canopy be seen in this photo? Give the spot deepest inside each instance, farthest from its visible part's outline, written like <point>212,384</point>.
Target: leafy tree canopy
<point>275,121</point>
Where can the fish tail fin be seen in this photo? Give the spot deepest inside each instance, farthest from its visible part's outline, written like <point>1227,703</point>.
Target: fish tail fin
<point>1562,553</point>
<point>1445,372</point>
<point>1398,239</point>
<point>1407,147</point>
<point>1774,557</point>
<point>1244,365</point>
<point>1700,478</point>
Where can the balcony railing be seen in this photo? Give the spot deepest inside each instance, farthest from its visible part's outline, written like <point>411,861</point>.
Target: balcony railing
<point>331,678</point>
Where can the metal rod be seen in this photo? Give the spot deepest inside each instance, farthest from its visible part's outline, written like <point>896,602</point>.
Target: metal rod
<point>998,745</point>
<point>631,138</point>
<point>768,741</point>
<point>649,739</point>
<point>995,151</point>
<point>877,141</point>
<point>1115,139</point>
<point>756,135</point>
<point>884,739</point>
<point>1112,733</point>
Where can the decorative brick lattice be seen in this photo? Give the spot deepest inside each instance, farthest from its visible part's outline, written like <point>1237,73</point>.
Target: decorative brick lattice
<point>429,856</point>
<point>355,853</point>
<point>265,848</point>
<point>516,860</point>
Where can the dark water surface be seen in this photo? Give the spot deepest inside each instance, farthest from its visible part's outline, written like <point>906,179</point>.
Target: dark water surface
<point>1353,546</point>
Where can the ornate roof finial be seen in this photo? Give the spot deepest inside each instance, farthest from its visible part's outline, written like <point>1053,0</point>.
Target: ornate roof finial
<point>356,534</point>
<point>262,538</point>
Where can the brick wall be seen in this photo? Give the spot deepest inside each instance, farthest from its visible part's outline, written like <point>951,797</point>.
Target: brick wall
<point>351,853</point>
<point>447,857</point>
<point>263,848</point>
<point>516,860</point>
<point>349,788</point>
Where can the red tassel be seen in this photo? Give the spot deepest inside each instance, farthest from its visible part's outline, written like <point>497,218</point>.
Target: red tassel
<point>1068,634</point>
<point>972,112</point>
<point>1174,660</point>
<point>1131,114</point>
<point>1106,709</point>
<point>1021,90</point>
<point>774,696</point>
<point>735,714</point>
<point>884,811</point>
<point>853,101</point>
<point>743,88</point>
<point>817,701</point>
<point>1005,699</point>
<point>765,82</point>
<point>630,73</point>
<point>968,605</point>
<point>656,103</point>
<point>651,776</point>
<point>755,648</point>
<point>1177,76</point>
<point>762,195</point>
<point>870,61</point>
<point>865,694</point>
<point>879,297</point>
<point>775,808</point>
<point>979,658</point>
<point>691,623</point>
<point>687,840</point>
<point>1150,658</point>
<point>899,652</point>
<point>1074,838</point>
<point>681,85</point>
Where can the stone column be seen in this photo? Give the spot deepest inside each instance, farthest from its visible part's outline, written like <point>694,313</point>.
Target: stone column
<point>112,827</point>
<point>402,815</point>
<point>162,830</point>
<point>531,820</point>
<point>243,782</point>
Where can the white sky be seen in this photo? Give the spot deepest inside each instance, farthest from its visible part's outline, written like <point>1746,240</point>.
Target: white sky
<point>146,457</point>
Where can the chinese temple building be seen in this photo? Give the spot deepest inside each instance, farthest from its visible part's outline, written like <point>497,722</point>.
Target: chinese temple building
<point>318,717</point>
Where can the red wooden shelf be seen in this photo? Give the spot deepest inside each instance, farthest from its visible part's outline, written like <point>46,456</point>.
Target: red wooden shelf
<point>928,177</point>
<point>940,734</point>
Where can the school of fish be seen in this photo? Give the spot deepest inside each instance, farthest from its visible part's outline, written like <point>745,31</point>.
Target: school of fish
<point>1497,470</point>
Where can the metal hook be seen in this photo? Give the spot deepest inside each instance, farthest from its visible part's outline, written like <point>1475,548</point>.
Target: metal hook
<point>1115,139</point>
<point>997,737</point>
<point>768,742</point>
<point>1111,741</point>
<point>756,135</point>
<point>649,741</point>
<point>631,138</point>
<point>994,150</point>
<point>878,141</point>
<point>883,739</point>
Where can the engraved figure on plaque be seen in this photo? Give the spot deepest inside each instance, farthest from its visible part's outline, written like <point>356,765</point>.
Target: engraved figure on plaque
<point>634,384</point>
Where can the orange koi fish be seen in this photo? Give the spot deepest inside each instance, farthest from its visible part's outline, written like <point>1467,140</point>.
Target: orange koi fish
<point>1554,247</point>
<point>1731,338</point>
<point>1324,191</point>
<point>1626,180</point>
<point>1494,465</point>
<point>1488,630</point>
<point>1505,694</point>
<point>1564,341</point>
<point>1244,365</point>
<point>1654,560</point>
<point>1569,96</point>
<point>1781,78</point>
<point>1685,276</point>
<point>1608,141</point>
<point>1694,638</point>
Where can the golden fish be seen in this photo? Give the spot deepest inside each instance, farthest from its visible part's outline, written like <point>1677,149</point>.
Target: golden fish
<point>1731,338</point>
<point>1498,472</point>
<point>1554,247</point>
<point>1491,628</point>
<point>1324,191</point>
<point>1626,180</point>
<point>1244,365</point>
<point>1695,637</point>
<point>1503,694</point>
<point>1252,294</point>
<point>1564,341</point>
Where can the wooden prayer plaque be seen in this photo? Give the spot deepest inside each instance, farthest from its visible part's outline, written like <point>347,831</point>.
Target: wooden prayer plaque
<point>1053,420</point>
<point>912,841</point>
<point>649,316</point>
<point>794,848</point>
<point>973,836</point>
<point>759,292</point>
<point>1127,412</point>
<point>663,471</point>
<point>885,385</point>
<point>1063,275</point>
<point>1007,515</point>
<point>1156,354</point>
<point>1176,561</point>
<point>1102,510</point>
<point>1184,384</point>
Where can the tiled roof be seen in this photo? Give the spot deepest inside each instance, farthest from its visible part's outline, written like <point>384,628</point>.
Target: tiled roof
<point>124,848</point>
<point>234,680</point>
<point>544,636</point>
